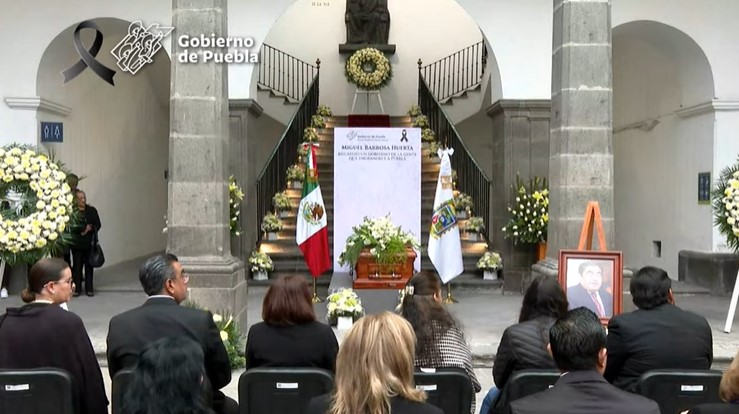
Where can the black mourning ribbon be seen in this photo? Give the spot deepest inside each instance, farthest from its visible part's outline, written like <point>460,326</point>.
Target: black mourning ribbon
<point>404,136</point>
<point>87,58</point>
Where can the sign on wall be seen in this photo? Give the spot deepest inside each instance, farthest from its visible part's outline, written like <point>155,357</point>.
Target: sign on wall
<point>52,132</point>
<point>377,171</point>
<point>704,188</point>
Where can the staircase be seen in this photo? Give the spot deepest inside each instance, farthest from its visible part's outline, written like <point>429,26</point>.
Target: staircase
<point>287,257</point>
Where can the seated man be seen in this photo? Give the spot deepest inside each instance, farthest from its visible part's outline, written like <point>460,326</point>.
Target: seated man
<point>577,343</point>
<point>161,316</point>
<point>658,335</point>
<point>590,292</point>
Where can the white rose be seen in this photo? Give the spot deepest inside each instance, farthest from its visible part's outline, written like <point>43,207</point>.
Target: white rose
<point>217,318</point>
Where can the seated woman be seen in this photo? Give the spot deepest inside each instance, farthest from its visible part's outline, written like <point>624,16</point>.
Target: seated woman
<point>374,371</point>
<point>168,379</point>
<point>440,341</point>
<point>524,345</point>
<point>290,336</point>
<point>728,391</point>
<point>42,334</point>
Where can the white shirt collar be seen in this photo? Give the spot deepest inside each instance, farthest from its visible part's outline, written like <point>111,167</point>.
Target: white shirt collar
<point>160,296</point>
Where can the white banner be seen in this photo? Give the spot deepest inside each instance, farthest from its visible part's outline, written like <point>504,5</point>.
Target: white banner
<point>377,171</point>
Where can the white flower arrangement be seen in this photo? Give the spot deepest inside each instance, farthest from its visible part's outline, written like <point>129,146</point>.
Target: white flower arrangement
<point>310,134</point>
<point>281,201</point>
<point>386,242</point>
<point>344,303</point>
<point>428,135</point>
<point>303,149</point>
<point>434,148</point>
<point>39,205</point>
<point>726,205</point>
<point>474,225</point>
<point>529,213</point>
<point>317,121</point>
<point>490,261</point>
<point>324,111</point>
<point>235,196</point>
<point>271,223</point>
<point>463,202</point>
<point>375,79</point>
<point>295,173</point>
<point>421,121</point>
<point>260,262</point>
<point>414,111</point>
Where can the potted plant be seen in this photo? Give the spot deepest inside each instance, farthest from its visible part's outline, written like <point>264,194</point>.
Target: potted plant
<point>295,177</point>
<point>464,205</point>
<point>473,228</point>
<point>490,263</point>
<point>427,137</point>
<point>260,263</point>
<point>420,122</point>
<point>235,196</point>
<point>282,204</point>
<point>317,121</point>
<point>302,151</point>
<point>310,134</point>
<point>414,111</point>
<point>271,224</point>
<point>381,247</point>
<point>343,308</point>
<point>324,111</point>
<point>434,148</point>
<point>529,215</point>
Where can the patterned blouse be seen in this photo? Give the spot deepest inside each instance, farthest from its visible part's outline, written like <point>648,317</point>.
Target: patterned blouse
<point>454,352</point>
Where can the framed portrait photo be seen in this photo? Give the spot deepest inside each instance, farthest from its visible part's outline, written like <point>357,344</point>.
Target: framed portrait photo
<point>594,280</point>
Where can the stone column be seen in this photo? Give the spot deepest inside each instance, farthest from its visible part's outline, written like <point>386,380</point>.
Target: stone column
<point>581,156</point>
<point>198,209</point>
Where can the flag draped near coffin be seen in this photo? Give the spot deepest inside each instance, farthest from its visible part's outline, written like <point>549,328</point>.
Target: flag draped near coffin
<point>445,248</point>
<point>312,226</point>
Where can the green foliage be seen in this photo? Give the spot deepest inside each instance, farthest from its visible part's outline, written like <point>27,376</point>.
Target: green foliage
<point>295,173</point>
<point>281,201</point>
<point>421,121</point>
<point>414,111</point>
<point>271,223</point>
<point>317,121</point>
<point>463,202</point>
<point>428,135</point>
<point>230,334</point>
<point>474,225</point>
<point>324,111</point>
<point>235,196</point>
<point>726,205</point>
<point>529,213</point>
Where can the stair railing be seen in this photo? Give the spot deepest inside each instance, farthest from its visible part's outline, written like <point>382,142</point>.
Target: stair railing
<point>273,178</point>
<point>284,73</point>
<point>470,177</point>
<point>457,72</point>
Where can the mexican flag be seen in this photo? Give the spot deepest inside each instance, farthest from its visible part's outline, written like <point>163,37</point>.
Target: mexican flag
<point>312,231</point>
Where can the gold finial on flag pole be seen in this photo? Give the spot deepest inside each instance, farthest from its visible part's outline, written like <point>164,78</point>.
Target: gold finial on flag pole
<point>315,298</point>
<point>449,299</point>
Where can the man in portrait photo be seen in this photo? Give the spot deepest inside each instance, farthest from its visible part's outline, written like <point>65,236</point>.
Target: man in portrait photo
<point>590,290</point>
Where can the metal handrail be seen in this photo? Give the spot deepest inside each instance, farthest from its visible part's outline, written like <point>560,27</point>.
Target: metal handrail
<point>458,72</point>
<point>284,74</point>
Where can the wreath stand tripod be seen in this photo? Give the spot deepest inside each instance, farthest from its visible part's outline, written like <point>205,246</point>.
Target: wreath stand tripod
<point>367,93</point>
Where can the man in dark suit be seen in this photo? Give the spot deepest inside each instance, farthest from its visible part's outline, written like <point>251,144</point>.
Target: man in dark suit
<point>164,280</point>
<point>590,292</point>
<point>658,335</point>
<point>577,343</point>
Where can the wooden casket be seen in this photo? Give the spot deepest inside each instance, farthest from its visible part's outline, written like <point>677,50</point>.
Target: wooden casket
<point>372,275</point>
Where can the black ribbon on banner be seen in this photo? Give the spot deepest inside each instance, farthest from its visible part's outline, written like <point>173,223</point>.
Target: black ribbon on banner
<point>87,58</point>
<point>404,136</point>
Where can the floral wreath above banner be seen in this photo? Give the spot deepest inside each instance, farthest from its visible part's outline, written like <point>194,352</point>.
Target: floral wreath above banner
<point>369,69</point>
<point>36,205</point>
<point>726,205</point>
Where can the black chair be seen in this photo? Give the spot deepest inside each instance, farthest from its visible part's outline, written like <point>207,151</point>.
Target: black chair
<point>45,390</point>
<point>281,390</point>
<point>448,388</point>
<point>524,383</point>
<point>121,380</point>
<point>678,390</point>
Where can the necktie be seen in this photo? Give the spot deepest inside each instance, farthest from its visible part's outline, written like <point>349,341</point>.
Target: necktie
<point>598,305</point>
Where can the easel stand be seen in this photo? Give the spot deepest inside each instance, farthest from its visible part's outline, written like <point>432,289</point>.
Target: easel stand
<point>732,306</point>
<point>358,91</point>
<point>592,219</point>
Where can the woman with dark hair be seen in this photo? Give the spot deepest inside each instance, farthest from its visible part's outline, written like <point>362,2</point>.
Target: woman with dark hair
<point>42,334</point>
<point>290,336</point>
<point>524,345</point>
<point>168,378</point>
<point>440,341</point>
<point>83,234</point>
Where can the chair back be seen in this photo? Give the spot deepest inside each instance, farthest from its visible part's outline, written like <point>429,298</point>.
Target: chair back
<point>522,384</point>
<point>448,388</point>
<point>32,391</point>
<point>281,390</point>
<point>121,380</point>
<point>679,390</point>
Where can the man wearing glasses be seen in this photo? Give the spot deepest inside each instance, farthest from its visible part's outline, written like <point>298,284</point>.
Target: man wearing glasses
<point>164,280</point>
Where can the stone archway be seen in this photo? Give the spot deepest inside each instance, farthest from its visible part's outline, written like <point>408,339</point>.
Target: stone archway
<point>115,136</point>
<point>660,143</point>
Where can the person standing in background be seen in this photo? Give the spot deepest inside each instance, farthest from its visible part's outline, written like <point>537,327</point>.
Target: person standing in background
<point>82,236</point>
<point>72,181</point>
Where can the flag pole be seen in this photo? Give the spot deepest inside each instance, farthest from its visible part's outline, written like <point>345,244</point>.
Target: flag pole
<point>449,299</point>
<point>315,298</point>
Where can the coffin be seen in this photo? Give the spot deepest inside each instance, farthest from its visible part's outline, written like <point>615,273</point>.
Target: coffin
<point>372,275</point>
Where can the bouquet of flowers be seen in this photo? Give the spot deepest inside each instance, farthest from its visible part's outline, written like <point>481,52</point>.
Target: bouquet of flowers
<point>386,242</point>
<point>434,148</point>
<point>421,121</point>
<point>490,261</point>
<point>317,121</point>
<point>260,262</point>
<point>414,111</point>
<point>271,223</point>
<point>530,213</point>
<point>281,202</point>
<point>427,135</point>
<point>344,303</point>
<point>474,225</point>
<point>726,205</point>
<point>324,111</point>
<point>230,334</point>
<point>310,134</point>
<point>463,202</point>
<point>235,195</point>
<point>302,150</point>
<point>295,173</point>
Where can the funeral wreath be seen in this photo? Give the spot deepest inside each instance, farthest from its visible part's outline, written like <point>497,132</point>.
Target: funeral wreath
<point>726,205</point>
<point>369,69</point>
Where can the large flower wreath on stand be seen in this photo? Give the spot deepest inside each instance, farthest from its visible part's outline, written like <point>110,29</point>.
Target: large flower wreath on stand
<point>36,205</point>
<point>369,69</point>
<point>726,205</point>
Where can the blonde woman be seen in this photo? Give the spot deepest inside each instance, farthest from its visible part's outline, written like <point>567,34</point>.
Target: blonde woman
<point>374,371</point>
<point>728,392</point>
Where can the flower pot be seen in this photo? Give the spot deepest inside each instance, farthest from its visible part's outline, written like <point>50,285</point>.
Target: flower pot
<point>541,251</point>
<point>344,322</point>
<point>296,185</point>
<point>435,160</point>
<point>473,236</point>
<point>260,275</point>
<point>271,236</point>
<point>424,145</point>
<point>490,275</point>
<point>462,215</point>
<point>284,213</point>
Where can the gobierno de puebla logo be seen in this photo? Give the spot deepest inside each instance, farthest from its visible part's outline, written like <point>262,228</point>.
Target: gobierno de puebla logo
<point>204,49</point>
